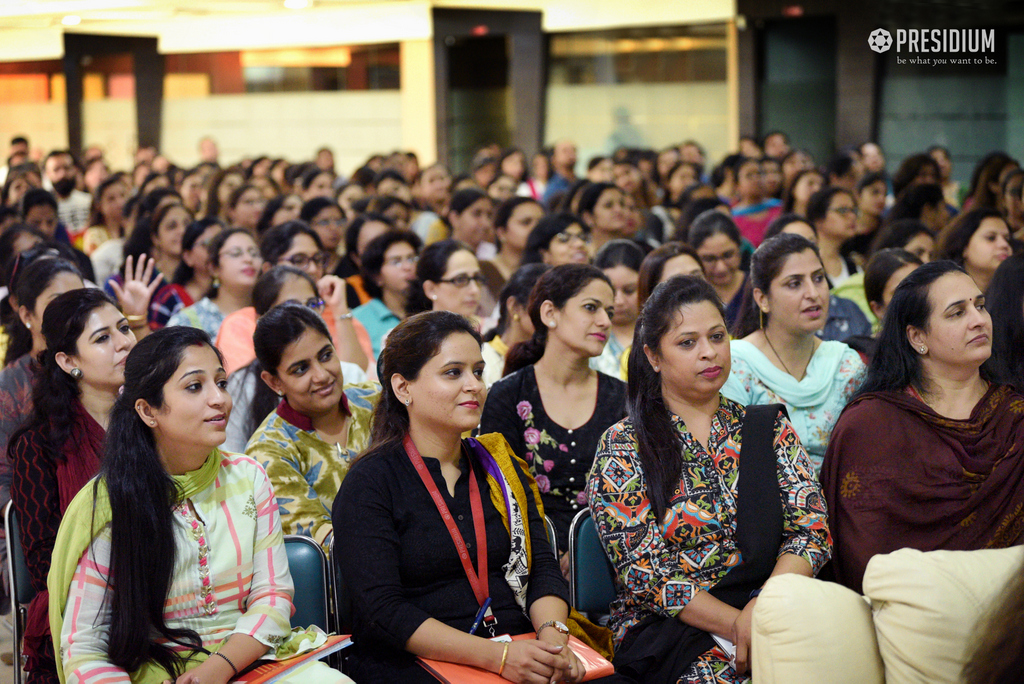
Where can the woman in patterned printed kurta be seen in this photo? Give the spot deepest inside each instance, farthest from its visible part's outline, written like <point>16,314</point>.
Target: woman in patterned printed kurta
<point>676,460</point>
<point>173,560</point>
<point>309,441</point>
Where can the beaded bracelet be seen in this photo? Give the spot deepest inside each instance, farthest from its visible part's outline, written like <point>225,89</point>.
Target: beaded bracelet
<point>218,653</point>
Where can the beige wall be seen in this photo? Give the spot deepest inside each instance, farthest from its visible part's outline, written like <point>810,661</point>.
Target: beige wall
<point>662,114</point>
<point>111,125</point>
<point>289,125</point>
<point>45,124</point>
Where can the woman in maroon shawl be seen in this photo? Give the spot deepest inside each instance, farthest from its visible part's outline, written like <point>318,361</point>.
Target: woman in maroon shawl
<point>58,450</point>
<point>930,454</point>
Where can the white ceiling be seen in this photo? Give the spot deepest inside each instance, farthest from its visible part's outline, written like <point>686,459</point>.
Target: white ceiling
<point>33,29</point>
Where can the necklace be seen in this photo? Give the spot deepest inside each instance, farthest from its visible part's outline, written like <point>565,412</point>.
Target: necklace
<point>768,340</point>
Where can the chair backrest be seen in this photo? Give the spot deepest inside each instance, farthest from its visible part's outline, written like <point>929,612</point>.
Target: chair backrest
<point>18,568</point>
<point>552,535</point>
<point>311,575</point>
<point>591,575</point>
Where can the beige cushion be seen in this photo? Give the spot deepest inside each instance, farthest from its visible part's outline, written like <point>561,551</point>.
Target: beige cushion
<point>809,631</point>
<point>927,605</point>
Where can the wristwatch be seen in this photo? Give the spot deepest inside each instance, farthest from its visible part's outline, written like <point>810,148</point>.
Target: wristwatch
<point>559,626</point>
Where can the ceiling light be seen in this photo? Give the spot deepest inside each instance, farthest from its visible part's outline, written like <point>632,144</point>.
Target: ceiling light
<point>296,4</point>
<point>71,20</point>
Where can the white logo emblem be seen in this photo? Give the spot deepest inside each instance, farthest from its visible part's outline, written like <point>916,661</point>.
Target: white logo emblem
<point>880,40</point>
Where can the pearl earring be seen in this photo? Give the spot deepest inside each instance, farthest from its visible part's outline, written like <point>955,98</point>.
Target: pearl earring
<point>551,324</point>
<point>76,373</point>
<point>28,325</point>
<point>433,298</point>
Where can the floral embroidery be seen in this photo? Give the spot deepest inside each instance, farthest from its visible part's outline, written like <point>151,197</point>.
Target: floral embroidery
<point>206,601</point>
<point>534,438</point>
<point>250,508</point>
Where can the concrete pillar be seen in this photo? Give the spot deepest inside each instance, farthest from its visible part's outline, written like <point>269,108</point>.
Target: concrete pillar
<point>419,107</point>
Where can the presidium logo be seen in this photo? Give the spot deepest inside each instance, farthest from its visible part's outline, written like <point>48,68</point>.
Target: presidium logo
<point>880,40</point>
<point>951,43</point>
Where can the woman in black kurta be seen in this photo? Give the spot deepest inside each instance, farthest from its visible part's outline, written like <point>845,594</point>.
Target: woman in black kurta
<point>570,307</point>
<point>412,593</point>
<point>560,458</point>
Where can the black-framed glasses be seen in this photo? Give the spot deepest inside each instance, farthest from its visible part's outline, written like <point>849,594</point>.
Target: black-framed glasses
<point>302,261</point>
<point>463,280</point>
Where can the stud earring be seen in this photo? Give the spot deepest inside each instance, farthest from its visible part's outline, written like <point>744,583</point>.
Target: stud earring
<point>408,401</point>
<point>76,373</point>
<point>28,325</point>
<point>551,324</point>
<point>657,369</point>
<point>515,317</point>
<point>216,281</point>
<point>433,298</point>
<point>923,350</point>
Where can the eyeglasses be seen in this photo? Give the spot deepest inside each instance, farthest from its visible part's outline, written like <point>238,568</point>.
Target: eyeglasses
<point>712,259</point>
<point>328,223</point>
<point>462,280</point>
<point>316,304</point>
<point>844,211</point>
<point>238,253</point>
<point>565,237</point>
<point>398,261</point>
<point>302,261</point>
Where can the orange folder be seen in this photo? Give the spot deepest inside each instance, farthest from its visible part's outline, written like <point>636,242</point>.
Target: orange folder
<point>453,673</point>
<point>272,670</point>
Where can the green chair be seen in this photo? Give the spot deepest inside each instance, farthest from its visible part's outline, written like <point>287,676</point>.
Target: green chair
<point>21,589</point>
<point>342,601</point>
<point>312,577</point>
<point>591,575</point>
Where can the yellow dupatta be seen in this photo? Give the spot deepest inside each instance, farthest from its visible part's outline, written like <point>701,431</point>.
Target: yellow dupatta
<point>595,636</point>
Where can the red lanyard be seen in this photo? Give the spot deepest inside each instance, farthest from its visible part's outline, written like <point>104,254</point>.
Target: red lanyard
<point>477,581</point>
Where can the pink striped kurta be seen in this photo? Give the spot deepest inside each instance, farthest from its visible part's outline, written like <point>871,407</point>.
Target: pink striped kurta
<point>230,574</point>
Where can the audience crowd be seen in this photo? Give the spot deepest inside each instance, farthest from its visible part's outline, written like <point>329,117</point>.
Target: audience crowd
<point>415,366</point>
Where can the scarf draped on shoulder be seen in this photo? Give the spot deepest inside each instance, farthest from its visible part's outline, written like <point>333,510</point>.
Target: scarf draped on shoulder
<point>86,517</point>
<point>509,497</point>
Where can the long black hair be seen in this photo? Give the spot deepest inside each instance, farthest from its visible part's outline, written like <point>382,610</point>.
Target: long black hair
<point>954,238</point>
<point>29,283</point>
<point>142,494</point>
<point>658,443</point>
<point>411,344</point>
<point>880,267</point>
<point>765,265</point>
<point>896,366</point>
<point>558,286</point>
<point>54,392</point>
<point>1005,302</point>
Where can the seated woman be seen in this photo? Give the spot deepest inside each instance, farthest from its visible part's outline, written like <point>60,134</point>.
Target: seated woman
<point>514,324</point>
<point>693,516</point>
<point>388,266</point>
<point>1006,304</point>
<point>978,240</point>
<point>553,407</point>
<point>58,449</point>
<point>235,263</point>
<point>719,245</point>
<point>308,442</point>
<point>929,454</point>
<point>253,399</point>
<point>884,271</point>
<point>619,260</point>
<point>295,244</point>
<point>413,596</point>
<point>833,213</point>
<point>514,220</point>
<point>667,261</point>
<point>558,239</point>
<point>777,358</point>
<point>212,575</point>
<point>448,278</point>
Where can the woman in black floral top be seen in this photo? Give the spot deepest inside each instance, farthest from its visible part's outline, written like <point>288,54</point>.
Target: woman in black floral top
<point>665,495</point>
<point>553,408</point>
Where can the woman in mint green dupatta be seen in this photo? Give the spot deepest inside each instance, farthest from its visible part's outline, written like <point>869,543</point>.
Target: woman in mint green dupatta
<point>780,359</point>
<point>171,564</point>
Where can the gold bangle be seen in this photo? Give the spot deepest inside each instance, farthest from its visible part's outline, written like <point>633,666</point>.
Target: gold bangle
<point>133,318</point>
<point>504,655</point>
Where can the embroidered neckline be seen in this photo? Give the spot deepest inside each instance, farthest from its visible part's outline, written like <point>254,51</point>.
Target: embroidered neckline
<point>205,601</point>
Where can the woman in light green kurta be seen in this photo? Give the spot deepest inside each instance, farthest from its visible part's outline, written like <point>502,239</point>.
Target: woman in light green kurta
<point>308,442</point>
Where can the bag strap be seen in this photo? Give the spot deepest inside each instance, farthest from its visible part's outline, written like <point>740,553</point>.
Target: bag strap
<point>759,504</point>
